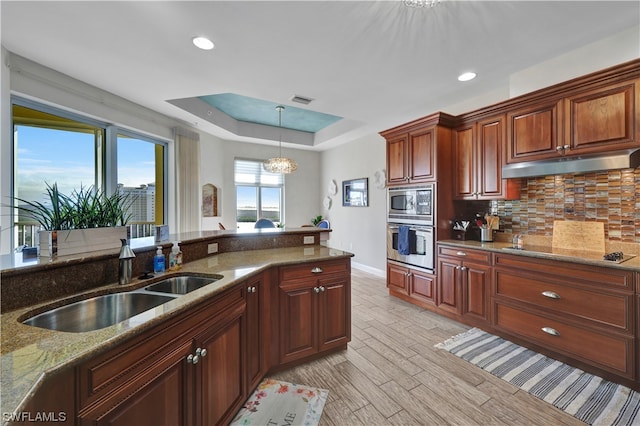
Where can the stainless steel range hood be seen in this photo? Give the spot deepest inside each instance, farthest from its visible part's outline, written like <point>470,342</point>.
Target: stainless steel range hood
<point>628,159</point>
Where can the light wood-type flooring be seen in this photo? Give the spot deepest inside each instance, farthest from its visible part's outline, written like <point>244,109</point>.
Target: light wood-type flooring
<point>391,374</point>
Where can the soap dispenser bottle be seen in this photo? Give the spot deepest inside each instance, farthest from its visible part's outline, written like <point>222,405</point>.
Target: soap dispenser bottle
<point>158,261</point>
<point>173,257</point>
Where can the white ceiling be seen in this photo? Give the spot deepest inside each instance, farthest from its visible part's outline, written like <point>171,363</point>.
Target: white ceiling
<point>378,64</point>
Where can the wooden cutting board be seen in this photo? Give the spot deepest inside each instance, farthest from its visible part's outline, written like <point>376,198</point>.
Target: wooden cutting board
<point>573,235</point>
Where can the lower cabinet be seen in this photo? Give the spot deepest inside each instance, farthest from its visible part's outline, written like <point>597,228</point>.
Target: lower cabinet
<point>464,280</point>
<point>418,285</point>
<point>315,309</point>
<point>184,373</point>
<point>256,290</point>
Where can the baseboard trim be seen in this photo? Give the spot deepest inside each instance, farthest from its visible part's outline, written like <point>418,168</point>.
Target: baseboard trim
<point>374,271</point>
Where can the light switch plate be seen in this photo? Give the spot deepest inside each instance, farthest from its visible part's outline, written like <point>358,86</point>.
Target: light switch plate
<point>309,240</point>
<point>212,248</point>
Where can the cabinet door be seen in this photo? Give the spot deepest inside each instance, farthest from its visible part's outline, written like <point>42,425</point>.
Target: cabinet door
<point>464,163</point>
<point>490,158</point>
<point>334,312</point>
<point>475,293</point>
<point>219,375</point>
<point>534,133</point>
<point>256,366</point>
<point>397,166</point>
<point>297,319</point>
<point>602,119</point>
<point>421,155</point>
<point>165,400</point>
<point>397,278</point>
<point>449,297</point>
<point>422,286</point>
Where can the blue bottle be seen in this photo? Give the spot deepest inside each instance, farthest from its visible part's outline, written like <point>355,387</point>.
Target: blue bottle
<point>158,261</point>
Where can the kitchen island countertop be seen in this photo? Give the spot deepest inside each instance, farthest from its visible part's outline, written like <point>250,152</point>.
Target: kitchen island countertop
<point>30,354</point>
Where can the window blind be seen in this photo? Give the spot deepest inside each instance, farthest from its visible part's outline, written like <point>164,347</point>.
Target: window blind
<point>251,172</point>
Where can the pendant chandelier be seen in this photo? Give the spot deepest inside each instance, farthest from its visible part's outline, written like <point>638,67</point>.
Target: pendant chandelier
<point>280,164</point>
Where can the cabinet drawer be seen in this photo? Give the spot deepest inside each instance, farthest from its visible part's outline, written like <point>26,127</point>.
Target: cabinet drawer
<point>314,269</point>
<point>465,254</point>
<point>606,308</point>
<point>604,350</point>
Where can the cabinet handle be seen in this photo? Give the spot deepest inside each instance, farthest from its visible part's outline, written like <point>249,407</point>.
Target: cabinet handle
<point>193,359</point>
<point>251,289</point>
<point>559,148</point>
<point>201,352</point>
<point>322,288</point>
<point>316,289</point>
<point>567,147</point>
<point>317,270</point>
<point>550,294</point>
<point>551,331</point>
<point>461,253</point>
<point>463,268</point>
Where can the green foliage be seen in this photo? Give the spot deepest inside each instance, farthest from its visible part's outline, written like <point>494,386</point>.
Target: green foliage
<point>316,220</point>
<point>83,208</point>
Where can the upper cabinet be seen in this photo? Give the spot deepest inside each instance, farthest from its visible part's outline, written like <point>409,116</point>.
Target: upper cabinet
<point>415,150</point>
<point>586,121</point>
<point>478,157</point>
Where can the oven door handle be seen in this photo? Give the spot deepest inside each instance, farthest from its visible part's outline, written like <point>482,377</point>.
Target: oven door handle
<point>412,228</point>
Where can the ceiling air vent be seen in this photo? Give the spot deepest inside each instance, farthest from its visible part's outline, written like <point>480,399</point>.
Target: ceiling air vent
<point>301,99</point>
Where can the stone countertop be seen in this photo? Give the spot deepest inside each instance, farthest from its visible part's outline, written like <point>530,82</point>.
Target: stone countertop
<point>29,354</point>
<point>546,252</point>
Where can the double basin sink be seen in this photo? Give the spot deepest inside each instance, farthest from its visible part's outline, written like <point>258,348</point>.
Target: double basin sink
<point>103,311</point>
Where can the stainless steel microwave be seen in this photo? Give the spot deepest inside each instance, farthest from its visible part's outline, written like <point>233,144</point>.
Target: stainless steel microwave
<point>412,205</point>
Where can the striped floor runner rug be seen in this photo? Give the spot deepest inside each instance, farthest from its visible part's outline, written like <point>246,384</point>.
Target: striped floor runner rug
<point>589,398</point>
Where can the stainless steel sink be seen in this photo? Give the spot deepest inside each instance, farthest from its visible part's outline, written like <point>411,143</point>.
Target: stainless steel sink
<point>97,312</point>
<point>182,284</point>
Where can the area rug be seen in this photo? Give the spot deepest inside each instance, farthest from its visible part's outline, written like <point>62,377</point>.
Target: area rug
<point>280,403</point>
<point>588,398</point>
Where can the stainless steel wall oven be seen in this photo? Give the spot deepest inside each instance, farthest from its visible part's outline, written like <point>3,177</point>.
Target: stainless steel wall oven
<point>419,250</point>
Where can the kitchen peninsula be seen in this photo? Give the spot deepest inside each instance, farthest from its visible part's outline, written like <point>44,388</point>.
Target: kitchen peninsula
<point>279,302</point>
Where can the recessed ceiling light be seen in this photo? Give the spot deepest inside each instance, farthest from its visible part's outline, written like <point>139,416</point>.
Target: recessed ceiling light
<point>203,43</point>
<point>467,76</point>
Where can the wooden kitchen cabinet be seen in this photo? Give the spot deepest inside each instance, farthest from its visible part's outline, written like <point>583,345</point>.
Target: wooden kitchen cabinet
<point>410,157</point>
<point>586,121</point>
<point>464,279</point>
<point>256,337</point>
<point>534,132</point>
<point>418,285</point>
<point>416,150</point>
<point>182,373</point>
<point>315,309</point>
<point>582,312</point>
<point>478,156</point>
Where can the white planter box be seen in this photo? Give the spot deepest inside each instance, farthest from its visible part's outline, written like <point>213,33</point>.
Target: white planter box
<point>75,241</point>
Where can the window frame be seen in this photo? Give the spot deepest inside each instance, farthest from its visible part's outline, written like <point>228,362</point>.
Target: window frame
<point>258,188</point>
<point>105,160</point>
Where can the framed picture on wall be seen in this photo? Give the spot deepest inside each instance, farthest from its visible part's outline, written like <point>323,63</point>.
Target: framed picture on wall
<point>355,192</point>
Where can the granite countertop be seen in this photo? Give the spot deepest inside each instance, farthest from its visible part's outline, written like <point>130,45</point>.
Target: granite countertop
<point>547,252</point>
<point>29,354</point>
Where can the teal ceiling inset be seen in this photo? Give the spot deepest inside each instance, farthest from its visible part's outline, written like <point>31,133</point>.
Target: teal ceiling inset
<point>244,108</point>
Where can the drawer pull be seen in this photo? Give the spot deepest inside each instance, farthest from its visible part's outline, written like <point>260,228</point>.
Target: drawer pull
<point>191,359</point>
<point>317,270</point>
<point>551,331</point>
<point>550,294</point>
<point>461,253</point>
<point>316,289</point>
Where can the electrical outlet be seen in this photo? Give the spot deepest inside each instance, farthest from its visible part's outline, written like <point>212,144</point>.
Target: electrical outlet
<point>309,240</point>
<point>212,248</point>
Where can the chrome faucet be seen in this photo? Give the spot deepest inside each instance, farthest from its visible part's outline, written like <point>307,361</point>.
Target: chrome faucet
<point>126,263</point>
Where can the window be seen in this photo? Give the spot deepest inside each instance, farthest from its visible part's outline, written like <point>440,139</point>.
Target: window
<point>53,146</point>
<point>259,194</point>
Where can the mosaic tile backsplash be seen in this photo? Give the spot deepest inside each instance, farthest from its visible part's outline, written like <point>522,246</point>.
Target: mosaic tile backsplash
<point>610,197</point>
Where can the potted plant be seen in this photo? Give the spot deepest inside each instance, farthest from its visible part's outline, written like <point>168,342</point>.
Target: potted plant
<point>316,220</point>
<point>83,221</point>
